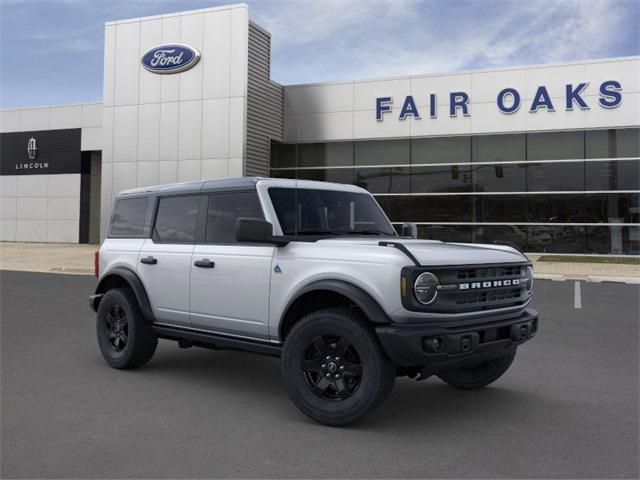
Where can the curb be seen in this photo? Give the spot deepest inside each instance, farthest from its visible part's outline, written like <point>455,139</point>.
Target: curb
<point>588,278</point>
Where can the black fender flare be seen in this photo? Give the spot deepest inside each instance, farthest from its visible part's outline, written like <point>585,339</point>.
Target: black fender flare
<point>369,306</point>
<point>134,282</point>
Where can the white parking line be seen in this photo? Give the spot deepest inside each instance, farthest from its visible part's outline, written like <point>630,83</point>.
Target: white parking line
<point>577,295</point>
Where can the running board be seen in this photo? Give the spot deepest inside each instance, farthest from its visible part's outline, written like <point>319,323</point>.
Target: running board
<point>221,342</point>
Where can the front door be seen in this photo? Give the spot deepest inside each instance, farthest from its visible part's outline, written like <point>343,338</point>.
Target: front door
<point>164,263</point>
<point>230,280</point>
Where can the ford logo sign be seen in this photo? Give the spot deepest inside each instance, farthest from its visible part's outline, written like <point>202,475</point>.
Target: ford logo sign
<point>173,58</point>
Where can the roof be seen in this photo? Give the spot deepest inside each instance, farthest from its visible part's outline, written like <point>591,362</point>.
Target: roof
<point>237,183</point>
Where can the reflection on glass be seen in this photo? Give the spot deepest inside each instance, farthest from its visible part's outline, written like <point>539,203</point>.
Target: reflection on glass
<point>453,178</point>
<point>548,177</point>
<point>555,145</point>
<point>613,175</point>
<point>555,208</point>
<point>500,208</point>
<point>613,207</point>
<point>382,152</point>
<point>612,143</point>
<point>499,148</point>
<point>440,150</point>
<point>384,180</point>
<point>499,178</point>
<point>613,240</point>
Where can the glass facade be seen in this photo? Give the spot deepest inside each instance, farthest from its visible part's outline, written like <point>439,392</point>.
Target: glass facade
<point>564,192</point>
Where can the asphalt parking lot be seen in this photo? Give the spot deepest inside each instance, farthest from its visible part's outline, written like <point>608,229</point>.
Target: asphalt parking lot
<point>568,408</point>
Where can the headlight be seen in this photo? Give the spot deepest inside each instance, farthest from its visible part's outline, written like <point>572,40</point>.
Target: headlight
<point>425,288</point>
<point>529,279</point>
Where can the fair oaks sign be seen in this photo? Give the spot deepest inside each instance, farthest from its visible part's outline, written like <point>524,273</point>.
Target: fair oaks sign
<point>508,100</point>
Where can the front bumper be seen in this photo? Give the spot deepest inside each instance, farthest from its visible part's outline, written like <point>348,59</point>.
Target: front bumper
<point>440,348</point>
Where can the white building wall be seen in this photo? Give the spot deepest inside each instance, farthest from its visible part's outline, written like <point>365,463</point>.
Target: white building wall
<point>346,110</point>
<point>40,208</point>
<point>175,127</point>
<point>46,208</point>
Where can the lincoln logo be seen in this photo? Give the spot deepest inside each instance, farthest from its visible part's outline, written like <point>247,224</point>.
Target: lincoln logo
<point>170,58</point>
<point>32,149</point>
<point>489,284</point>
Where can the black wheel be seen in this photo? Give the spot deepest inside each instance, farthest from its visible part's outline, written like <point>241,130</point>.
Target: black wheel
<point>334,367</point>
<point>478,376</point>
<point>124,336</point>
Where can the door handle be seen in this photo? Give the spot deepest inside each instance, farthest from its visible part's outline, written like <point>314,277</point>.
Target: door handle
<point>149,260</point>
<point>204,263</point>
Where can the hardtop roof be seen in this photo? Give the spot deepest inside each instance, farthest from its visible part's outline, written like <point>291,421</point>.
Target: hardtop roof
<point>237,183</point>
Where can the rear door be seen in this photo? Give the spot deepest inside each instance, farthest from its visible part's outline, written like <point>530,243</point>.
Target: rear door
<point>164,264</point>
<point>230,280</point>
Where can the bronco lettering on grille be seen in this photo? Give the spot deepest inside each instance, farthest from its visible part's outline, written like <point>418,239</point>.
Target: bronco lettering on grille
<point>489,284</point>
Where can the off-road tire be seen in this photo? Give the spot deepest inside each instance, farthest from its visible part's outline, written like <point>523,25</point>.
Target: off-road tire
<point>141,342</point>
<point>478,376</point>
<point>342,326</point>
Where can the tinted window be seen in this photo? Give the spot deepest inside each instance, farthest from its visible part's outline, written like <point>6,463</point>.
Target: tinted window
<point>428,208</point>
<point>383,180</point>
<point>176,219</point>
<point>224,209</point>
<point>499,148</point>
<point>561,176</point>
<point>337,175</point>
<point>441,150</point>
<point>555,145</point>
<point>319,212</point>
<point>282,155</point>
<point>437,179</point>
<point>613,175</point>
<point>613,208</point>
<point>499,178</point>
<point>500,208</point>
<point>613,143</point>
<point>324,154</point>
<point>555,208</point>
<point>130,217</point>
<point>446,233</point>
<point>616,240</point>
<point>382,152</point>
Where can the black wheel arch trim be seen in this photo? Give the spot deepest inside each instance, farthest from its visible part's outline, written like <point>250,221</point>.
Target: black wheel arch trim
<point>369,306</point>
<point>133,281</point>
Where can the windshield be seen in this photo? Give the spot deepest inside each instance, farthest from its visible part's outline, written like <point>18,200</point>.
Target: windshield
<point>328,212</point>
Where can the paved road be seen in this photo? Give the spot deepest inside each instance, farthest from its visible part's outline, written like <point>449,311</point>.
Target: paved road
<point>567,408</point>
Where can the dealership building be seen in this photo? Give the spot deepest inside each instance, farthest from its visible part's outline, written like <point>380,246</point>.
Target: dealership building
<point>546,157</point>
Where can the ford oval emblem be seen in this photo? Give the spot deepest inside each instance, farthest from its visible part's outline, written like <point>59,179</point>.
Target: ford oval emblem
<point>173,58</point>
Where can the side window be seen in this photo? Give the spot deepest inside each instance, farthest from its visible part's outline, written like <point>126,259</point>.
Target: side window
<point>224,209</point>
<point>130,217</point>
<point>176,219</point>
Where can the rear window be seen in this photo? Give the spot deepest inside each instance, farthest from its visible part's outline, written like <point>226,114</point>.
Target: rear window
<point>130,218</point>
<point>176,219</point>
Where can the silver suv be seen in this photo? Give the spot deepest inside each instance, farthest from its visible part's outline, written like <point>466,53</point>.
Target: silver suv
<point>312,272</point>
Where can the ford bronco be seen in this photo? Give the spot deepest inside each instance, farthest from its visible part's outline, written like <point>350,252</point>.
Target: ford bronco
<point>314,273</point>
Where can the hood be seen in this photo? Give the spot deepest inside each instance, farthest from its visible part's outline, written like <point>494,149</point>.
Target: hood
<point>434,252</point>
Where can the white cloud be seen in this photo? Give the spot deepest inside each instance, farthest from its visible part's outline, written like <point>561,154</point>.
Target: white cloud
<point>314,41</point>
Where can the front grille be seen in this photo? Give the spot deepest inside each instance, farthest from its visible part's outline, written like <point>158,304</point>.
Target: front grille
<point>490,273</point>
<point>489,296</point>
<point>470,288</point>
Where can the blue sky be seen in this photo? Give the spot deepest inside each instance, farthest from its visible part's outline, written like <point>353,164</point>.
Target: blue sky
<point>51,51</point>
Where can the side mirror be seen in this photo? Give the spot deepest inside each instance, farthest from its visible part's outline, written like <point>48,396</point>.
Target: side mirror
<point>256,230</point>
<point>409,230</point>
